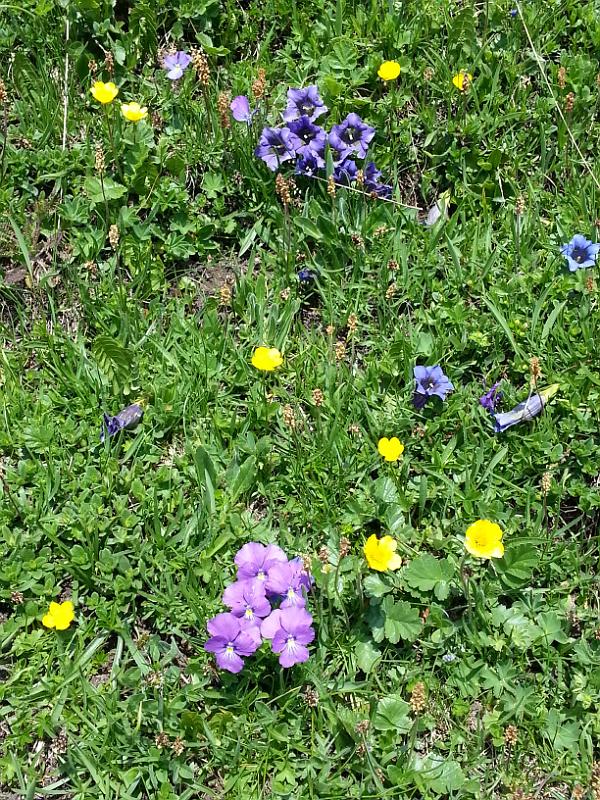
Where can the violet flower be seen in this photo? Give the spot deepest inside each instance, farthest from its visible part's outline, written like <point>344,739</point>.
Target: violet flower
<point>525,411</point>
<point>372,183</point>
<point>240,109</point>
<point>430,381</point>
<point>176,64</point>
<point>307,139</point>
<point>339,150</point>
<point>308,165</point>
<point>231,641</point>
<point>247,599</point>
<point>580,252</point>
<point>275,146</point>
<point>254,560</point>
<point>491,397</point>
<point>290,631</point>
<point>353,134</point>
<point>304,103</point>
<point>126,418</point>
<point>345,173</point>
<point>288,581</point>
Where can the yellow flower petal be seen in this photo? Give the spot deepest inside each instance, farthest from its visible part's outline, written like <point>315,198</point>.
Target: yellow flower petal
<point>483,539</point>
<point>48,621</point>
<point>267,359</point>
<point>104,92</point>
<point>462,80</point>
<point>133,111</point>
<point>389,70</point>
<point>380,554</point>
<point>390,449</point>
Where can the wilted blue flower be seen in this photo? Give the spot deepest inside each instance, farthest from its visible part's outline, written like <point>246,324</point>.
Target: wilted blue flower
<point>448,658</point>
<point>127,418</point>
<point>240,109</point>
<point>580,252</point>
<point>345,173</point>
<point>275,146</point>
<point>491,397</point>
<point>304,103</point>
<point>430,381</point>
<point>352,134</point>
<point>175,64</point>
<point>525,411</point>
<point>307,139</point>
<point>372,183</point>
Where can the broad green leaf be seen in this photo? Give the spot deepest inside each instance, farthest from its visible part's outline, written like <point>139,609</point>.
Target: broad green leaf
<point>402,621</point>
<point>428,573</point>
<point>521,630</point>
<point>366,656</point>
<point>375,586</point>
<point>113,359</point>
<point>516,568</point>
<point>309,227</point>
<point>392,714</point>
<point>93,187</point>
<point>438,775</point>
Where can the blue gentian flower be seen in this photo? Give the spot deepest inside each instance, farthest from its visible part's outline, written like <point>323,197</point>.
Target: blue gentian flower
<point>352,134</point>
<point>430,381</point>
<point>308,165</point>
<point>304,103</point>
<point>373,184</point>
<point>345,173</point>
<point>580,252</point>
<point>275,146</point>
<point>240,109</point>
<point>307,138</point>
<point>525,411</point>
<point>127,418</point>
<point>306,275</point>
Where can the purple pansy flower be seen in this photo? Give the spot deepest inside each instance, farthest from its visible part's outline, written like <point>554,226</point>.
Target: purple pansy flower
<point>345,173</point>
<point>231,641</point>
<point>275,146</point>
<point>580,252</point>
<point>127,418</point>
<point>247,599</point>
<point>307,139</point>
<point>254,561</point>
<point>352,134</point>
<point>304,103</point>
<point>288,581</point>
<point>491,397</point>
<point>373,184</point>
<point>176,64</point>
<point>240,109</point>
<point>430,381</point>
<point>290,631</point>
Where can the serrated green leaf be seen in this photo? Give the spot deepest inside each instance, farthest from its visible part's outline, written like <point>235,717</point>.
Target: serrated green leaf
<point>112,357</point>
<point>366,656</point>
<point>112,190</point>
<point>376,586</point>
<point>392,714</point>
<point>516,568</point>
<point>427,573</point>
<point>402,621</point>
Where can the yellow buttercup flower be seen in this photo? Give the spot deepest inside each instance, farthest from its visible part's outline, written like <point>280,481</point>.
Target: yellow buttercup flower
<point>267,359</point>
<point>390,449</point>
<point>484,539</point>
<point>104,92</point>
<point>133,111</point>
<point>380,553</point>
<point>389,70</point>
<point>462,80</point>
<point>59,616</point>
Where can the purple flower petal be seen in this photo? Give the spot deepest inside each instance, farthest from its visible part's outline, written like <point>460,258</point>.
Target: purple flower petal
<point>240,109</point>
<point>230,661</point>
<point>304,103</point>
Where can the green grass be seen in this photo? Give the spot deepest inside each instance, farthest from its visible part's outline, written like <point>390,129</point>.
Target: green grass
<point>141,531</point>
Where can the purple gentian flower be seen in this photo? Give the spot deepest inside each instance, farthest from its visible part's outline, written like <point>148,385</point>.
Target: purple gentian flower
<point>514,12</point>
<point>525,411</point>
<point>275,147</point>
<point>372,183</point>
<point>290,631</point>
<point>580,252</point>
<point>430,381</point>
<point>338,149</point>
<point>308,165</point>
<point>353,134</point>
<point>288,581</point>
<point>254,561</point>
<point>127,418</point>
<point>247,599</point>
<point>491,397</point>
<point>231,640</point>
<point>345,173</point>
<point>240,109</point>
<point>176,64</point>
<point>306,275</point>
<point>307,139</point>
<point>304,103</point>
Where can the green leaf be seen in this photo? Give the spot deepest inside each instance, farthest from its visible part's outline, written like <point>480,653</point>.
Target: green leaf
<point>516,568</point>
<point>112,190</point>
<point>402,621</point>
<point>243,478</point>
<point>366,656</point>
<point>375,586</point>
<point>521,630</point>
<point>551,628</point>
<point>428,573</point>
<point>112,358</point>
<point>392,714</point>
<point>309,227</point>
<point>436,774</point>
